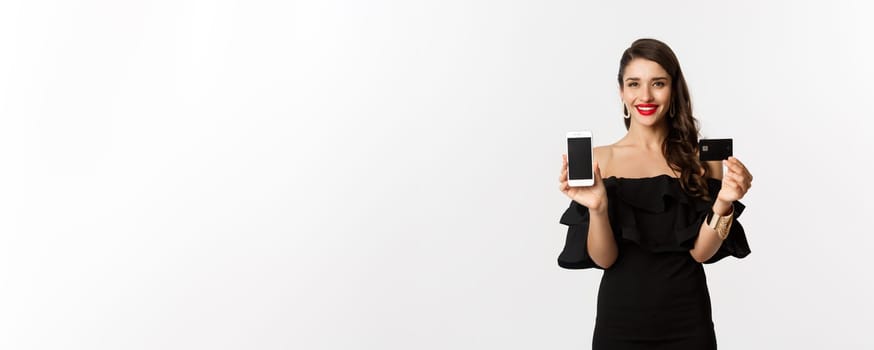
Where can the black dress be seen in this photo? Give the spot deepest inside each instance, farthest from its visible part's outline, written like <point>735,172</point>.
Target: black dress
<point>655,294</point>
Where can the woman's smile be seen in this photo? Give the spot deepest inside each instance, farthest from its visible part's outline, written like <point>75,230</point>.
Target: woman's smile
<point>646,109</point>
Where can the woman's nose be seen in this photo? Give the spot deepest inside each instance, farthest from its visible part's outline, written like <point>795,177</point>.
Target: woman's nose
<point>646,95</point>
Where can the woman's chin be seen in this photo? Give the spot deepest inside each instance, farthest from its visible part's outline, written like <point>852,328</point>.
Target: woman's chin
<point>649,120</point>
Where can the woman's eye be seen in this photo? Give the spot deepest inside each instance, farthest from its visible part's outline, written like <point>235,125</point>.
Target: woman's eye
<point>632,84</point>
<point>659,83</point>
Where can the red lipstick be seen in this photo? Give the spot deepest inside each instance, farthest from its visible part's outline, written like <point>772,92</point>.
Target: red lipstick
<point>646,108</point>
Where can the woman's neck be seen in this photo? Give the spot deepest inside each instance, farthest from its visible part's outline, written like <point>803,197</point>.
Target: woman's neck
<point>649,138</point>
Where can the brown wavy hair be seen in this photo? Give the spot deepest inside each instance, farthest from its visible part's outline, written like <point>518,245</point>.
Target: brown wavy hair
<point>680,147</point>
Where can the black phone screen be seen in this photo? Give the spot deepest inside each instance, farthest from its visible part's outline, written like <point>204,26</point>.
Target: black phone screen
<point>579,151</point>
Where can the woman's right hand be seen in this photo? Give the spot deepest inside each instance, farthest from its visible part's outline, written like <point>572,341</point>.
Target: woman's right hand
<point>593,197</point>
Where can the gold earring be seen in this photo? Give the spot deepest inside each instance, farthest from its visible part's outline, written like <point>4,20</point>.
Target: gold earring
<point>625,111</point>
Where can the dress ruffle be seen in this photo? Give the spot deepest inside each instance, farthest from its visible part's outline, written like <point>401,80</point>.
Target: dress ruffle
<point>654,213</point>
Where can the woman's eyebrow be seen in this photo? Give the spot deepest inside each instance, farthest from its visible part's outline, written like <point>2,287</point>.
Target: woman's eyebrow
<point>653,79</point>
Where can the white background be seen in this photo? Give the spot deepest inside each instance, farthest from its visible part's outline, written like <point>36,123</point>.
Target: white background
<point>383,174</point>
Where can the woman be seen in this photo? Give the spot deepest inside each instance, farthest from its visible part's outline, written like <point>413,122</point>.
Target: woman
<point>655,214</point>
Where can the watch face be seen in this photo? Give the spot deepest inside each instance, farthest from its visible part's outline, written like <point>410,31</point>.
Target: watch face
<point>714,220</point>
<point>711,219</point>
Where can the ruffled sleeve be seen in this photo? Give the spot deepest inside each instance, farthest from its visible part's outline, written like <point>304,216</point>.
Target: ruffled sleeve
<point>575,254</point>
<point>653,213</point>
<point>735,244</point>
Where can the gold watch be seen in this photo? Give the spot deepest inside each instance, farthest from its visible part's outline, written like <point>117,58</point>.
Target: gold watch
<point>722,224</point>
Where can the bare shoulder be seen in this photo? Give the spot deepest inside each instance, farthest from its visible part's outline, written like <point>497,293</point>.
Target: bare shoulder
<point>714,169</point>
<point>602,155</point>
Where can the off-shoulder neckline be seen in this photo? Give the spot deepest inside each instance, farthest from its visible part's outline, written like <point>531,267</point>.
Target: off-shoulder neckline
<point>642,178</point>
<point>652,178</point>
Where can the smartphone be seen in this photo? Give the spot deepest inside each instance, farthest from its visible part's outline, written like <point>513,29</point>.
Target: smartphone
<point>714,149</point>
<point>579,159</point>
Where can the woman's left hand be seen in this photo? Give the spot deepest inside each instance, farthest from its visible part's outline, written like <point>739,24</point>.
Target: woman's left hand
<point>736,181</point>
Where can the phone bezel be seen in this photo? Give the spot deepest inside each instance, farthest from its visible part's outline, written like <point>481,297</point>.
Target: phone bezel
<point>575,135</point>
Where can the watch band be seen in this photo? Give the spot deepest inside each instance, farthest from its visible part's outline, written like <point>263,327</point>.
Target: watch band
<point>722,224</point>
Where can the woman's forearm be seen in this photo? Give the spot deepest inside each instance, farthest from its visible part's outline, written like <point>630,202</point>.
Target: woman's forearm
<point>708,241</point>
<point>600,243</point>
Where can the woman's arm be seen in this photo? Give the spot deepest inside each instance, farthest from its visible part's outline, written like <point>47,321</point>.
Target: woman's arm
<point>735,184</point>
<point>600,243</point>
<point>708,241</point>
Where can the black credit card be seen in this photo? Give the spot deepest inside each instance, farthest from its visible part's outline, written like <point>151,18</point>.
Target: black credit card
<point>714,149</point>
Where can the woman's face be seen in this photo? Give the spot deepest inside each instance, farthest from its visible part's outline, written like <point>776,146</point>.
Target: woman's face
<point>646,91</point>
